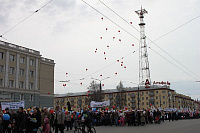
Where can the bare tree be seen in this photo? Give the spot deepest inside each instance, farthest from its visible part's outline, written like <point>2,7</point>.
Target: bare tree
<point>120,98</point>
<point>94,92</point>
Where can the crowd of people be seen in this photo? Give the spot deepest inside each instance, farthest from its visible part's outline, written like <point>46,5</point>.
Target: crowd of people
<point>47,121</point>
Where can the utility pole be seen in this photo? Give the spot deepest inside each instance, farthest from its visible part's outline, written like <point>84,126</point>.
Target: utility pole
<point>144,72</point>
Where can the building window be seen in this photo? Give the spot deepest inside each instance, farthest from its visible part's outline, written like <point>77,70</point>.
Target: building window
<point>146,98</point>
<point>30,85</point>
<point>142,103</point>
<point>163,97</point>
<point>12,96</point>
<point>11,83</point>
<point>21,97</point>
<point>21,72</point>
<point>12,69</point>
<point>147,103</point>
<point>142,93</point>
<point>147,92</point>
<point>31,98</point>
<point>12,57</point>
<point>1,82</point>
<point>142,98</point>
<point>156,97</point>
<point>163,91</point>
<point>31,74</point>
<point>21,84</point>
<point>1,55</point>
<point>157,103</point>
<point>163,102</point>
<point>156,92</point>
<point>128,104</point>
<point>128,99</point>
<point>22,60</point>
<point>1,68</point>
<point>31,62</point>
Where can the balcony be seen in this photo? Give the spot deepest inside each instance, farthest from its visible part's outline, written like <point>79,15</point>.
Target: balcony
<point>79,103</point>
<point>133,101</point>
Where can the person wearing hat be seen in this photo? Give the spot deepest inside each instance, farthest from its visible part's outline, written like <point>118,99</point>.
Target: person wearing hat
<point>6,123</point>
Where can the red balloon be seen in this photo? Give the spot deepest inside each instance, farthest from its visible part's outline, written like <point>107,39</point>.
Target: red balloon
<point>86,69</point>
<point>104,52</point>
<point>107,109</point>
<point>119,121</point>
<point>125,108</point>
<point>124,66</point>
<point>95,51</point>
<point>51,111</point>
<point>102,18</point>
<point>118,30</point>
<point>116,73</point>
<point>113,37</point>
<point>120,40</point>
<point>79,116</point>
<point>66,73</point>
<point>88,106</point>
<point>107,46</point>
<point>113,107</point>
<point>105,58</point>
<point>132,44</point>
<point>49,93</point>
<point>102,84</point>
<point>96,48</point>
<point>81,83</point>
<point>66,112</point>
<point>130,22</point>
<point>101,75</point>
<point>117,60</point>
<point>101,37</point>
<point>121,64</point>
<point>106,28</point>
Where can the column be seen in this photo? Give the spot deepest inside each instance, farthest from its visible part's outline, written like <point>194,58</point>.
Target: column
<point>36,74</point>
<point>27,72</point>
<point>17,71</point>
<point>7,69</point>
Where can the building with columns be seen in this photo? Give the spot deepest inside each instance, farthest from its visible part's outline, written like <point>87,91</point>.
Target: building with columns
<point>25,76</point>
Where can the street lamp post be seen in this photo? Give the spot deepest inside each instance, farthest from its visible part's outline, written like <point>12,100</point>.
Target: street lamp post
<point>138,94</point>
<point>100,82</point>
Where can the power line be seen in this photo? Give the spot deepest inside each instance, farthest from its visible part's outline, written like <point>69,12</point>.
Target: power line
<point>25,19</point>
<point>158,37</point>
<point>173,63</point>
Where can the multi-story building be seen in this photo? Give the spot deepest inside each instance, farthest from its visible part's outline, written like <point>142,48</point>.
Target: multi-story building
<point>25,76</point>
<point>155,96</point>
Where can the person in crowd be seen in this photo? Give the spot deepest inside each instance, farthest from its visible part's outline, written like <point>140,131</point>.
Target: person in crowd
<point>162,115</point>
<point>68,121</point>
<point>59,120</point>
<point>44,115</point>
<point>116,116</point>
<point>1,120</point>
<point>35,119</point>
<point>7,123</point>
<point>142,118</point>
<point>46,127</point>
<point>20,121</point>
<point>86,119</point>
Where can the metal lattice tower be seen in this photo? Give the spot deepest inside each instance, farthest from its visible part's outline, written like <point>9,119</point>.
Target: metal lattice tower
<point>144,72</point>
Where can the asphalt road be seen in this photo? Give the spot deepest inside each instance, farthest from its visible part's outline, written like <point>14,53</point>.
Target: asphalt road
<point>181,126</point>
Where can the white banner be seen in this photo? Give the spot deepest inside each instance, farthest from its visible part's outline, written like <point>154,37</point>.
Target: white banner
<point>94,104</point>
<point>12,105</point>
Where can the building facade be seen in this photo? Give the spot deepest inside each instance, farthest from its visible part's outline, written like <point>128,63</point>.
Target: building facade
<point>156,97</point>
<point>25,76</point>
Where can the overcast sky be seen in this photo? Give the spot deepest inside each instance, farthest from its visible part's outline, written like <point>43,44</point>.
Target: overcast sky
<point>69,31</point>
